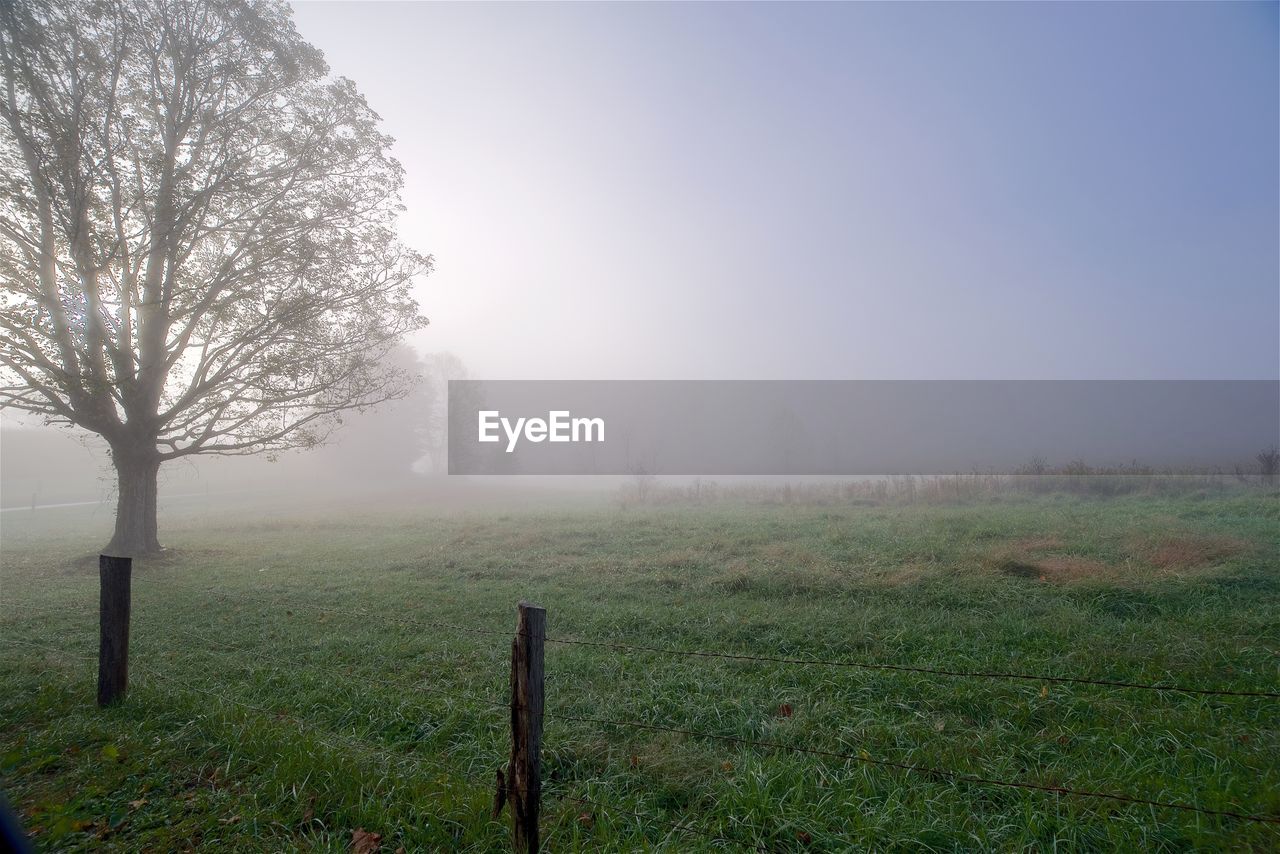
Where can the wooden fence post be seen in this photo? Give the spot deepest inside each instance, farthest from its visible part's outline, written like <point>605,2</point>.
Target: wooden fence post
<point>114,574</point>
<point>524,774</point>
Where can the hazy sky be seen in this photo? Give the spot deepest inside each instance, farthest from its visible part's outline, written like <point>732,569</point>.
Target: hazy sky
<point>834,191</point>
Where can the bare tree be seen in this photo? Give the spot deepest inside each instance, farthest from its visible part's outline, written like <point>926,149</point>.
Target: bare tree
<point>1269,463</point>
<point>197,235</point>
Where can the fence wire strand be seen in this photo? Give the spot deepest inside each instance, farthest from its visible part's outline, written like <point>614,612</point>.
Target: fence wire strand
<point>903,668</point>
<point>376,680</point>
<point>322,734</point>
<point>956,776</point>
<point>344,612</point>
<point>767,659</point>
<point>918,769</point>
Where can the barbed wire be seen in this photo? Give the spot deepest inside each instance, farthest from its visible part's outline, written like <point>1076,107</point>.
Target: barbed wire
<point>83,656</point>
<point>919,769</point>
<point>759,743</point>
<point>767,659</point>
<point>772,745</point>
<point>319,732</point>
<point>348,612</point>
<point>866,665</point>
<point>325,736</point>
<point>362,677</point>
<point>322,734</point>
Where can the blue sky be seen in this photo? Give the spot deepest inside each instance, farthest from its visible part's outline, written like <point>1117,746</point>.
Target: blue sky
<point>928,191</point>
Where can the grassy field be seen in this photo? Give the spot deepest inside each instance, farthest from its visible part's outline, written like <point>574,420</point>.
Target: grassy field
<point>287,694</point>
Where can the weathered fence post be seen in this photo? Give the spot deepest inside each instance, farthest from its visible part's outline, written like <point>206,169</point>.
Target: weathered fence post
<point>114,575</point>
<point>524,774</point>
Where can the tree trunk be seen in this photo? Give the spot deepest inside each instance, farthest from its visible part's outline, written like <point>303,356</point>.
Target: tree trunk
<point>135,534</point>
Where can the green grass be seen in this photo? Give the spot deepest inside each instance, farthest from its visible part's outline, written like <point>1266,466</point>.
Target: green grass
<point>285,691</point>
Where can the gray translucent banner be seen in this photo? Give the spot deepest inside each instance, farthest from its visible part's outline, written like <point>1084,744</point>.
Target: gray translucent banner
<point>855,427</point>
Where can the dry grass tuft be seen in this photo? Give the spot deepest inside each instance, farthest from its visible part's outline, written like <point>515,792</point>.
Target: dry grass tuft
<point>1034,559</point>
<point>1061,568</point>
<point>1041,558</point>
<point>1189,551</point>
<point>736,578</point>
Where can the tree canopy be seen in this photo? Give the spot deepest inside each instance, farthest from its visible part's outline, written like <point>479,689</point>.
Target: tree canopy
<point>198,250</point>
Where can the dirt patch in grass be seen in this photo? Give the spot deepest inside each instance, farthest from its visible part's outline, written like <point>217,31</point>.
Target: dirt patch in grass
<point>1075,568</point>
<point>1190,551</point>
<point>1052,568</point>
<point>1017,568</point>
<point>1040,559</point>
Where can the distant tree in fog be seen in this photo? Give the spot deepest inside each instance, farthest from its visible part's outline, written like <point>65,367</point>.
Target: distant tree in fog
<point>1269,463</point>
<point>383,445</point>
<point>197,235</point>
<point>439,369</point>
